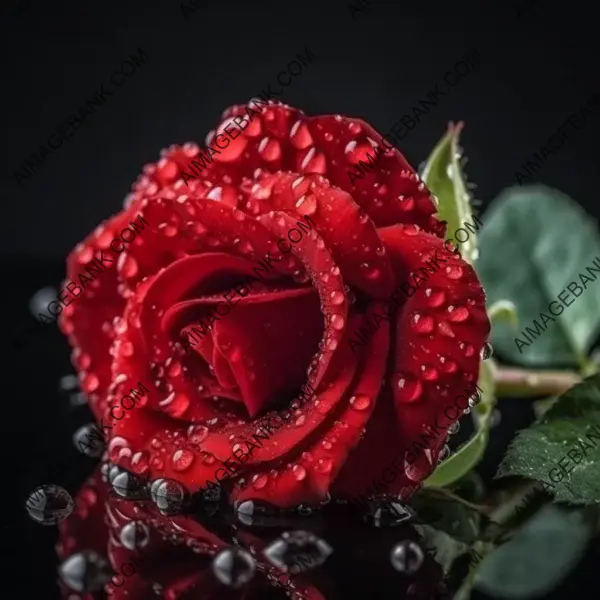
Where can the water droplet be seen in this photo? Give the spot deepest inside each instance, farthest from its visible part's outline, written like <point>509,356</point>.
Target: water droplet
<point>89,382</point>
<point>324,465</point>
<point>215,194</point>
<point>422,323</point>
<point>197,434</point>
<point>269,149</point>
<point>454,428</point>
<point>429,373</point>
<point>127,266</point>
<point>386,513</point>
<point>314,162</point>
<point>487,351</point>
<point>454,272</point>
<point>447,365</point>
<point>234,567</point>
<point>300,421</point>
<point>435,297</point>
<point>371,271</point>
<point>354,128</point>
<point>259,481</point>
<point>406,204</point>
<point>360,402</point>
<point>457,314</point>
<point>88,440</point>
<point>85,572</point>
<point>300,276</point>
<point>337,322</point>
<point>168,495</point>
<point>356,152</point>
<point>135,535</point>
<point>175,404</point>
<point>408,389</point>
<point>297,551</point>
<point>445,329</point>
<point>307,204</point>
<point>300,135</point>
<point>444,453</point>
<point>139,462</point>
<point>182,459</point>
<point>337,297</point>
<point>38,303</point>
<point>407,557</point>
<point>467,349</point>
<point>49,504</point>
<point>128,486</point>
<point>299,472</point>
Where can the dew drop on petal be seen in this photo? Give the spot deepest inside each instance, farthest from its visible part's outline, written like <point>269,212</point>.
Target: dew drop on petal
<point>435,297</point>
<point>260,481</point>
<point>314,162</point>
<point>468,349</point>
<point>208,458</point>
<point>300,136</point>
<point>337,322</point>
<point>127,266</point>
<point>307,204</point>
<point>408,389</point>
<point>354,128</point>
<point>356,152</point>
<point>457,314</point>
<point>360,402</point>
<point>487,351</point>
<point>324,465</point>
<point>454,272</point>
<point>429,373</point>
<point>182,459</point>
<point>197,434</point>
<point>269,149</point>
<point>299,472</point>
<point>422,323</point>
<point>337,297</point>
<point>139,462</point>
<point>445,329</point>
<point>447,365</point>
<point>89,383</point>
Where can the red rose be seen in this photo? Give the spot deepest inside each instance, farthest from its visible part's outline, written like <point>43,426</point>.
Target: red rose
<point>265,276</point>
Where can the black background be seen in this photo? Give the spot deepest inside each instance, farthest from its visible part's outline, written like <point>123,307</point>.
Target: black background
<point>539,64</point>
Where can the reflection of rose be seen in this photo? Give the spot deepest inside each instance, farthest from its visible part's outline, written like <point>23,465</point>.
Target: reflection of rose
<point>146,554</point>
<point>255,275</point>
<point>156,556</point>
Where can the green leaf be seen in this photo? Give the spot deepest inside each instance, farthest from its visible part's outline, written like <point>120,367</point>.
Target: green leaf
<point>538,557</point>
<point>534,243</point>
<point>444,548</point>
<point>468,455</point>
<point>446,514</point>
<point>572,425</point>
<point>443,175</point>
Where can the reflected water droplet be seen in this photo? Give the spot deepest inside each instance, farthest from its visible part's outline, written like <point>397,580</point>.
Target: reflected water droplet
<point>407,557</point>
<point>234,567</point>
<point>85,571</point>
<point>135,535</point>
<point>49,504</point>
